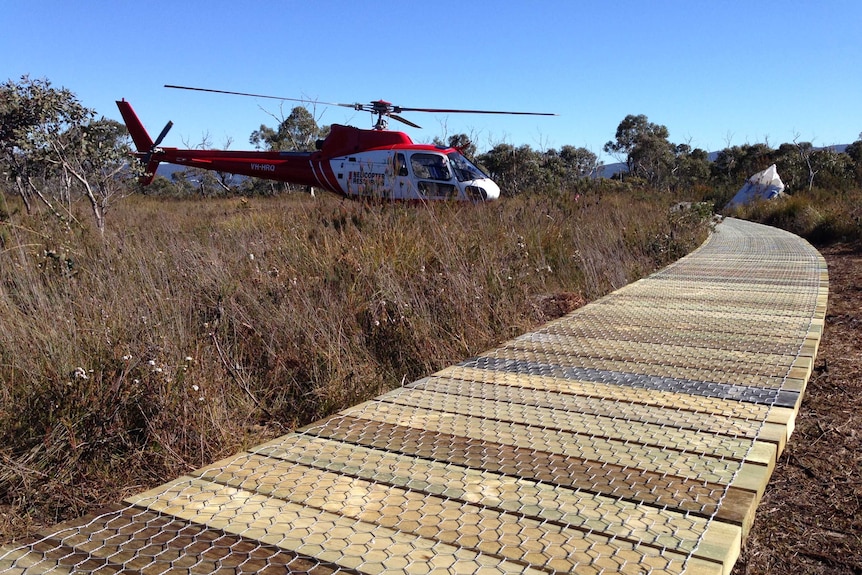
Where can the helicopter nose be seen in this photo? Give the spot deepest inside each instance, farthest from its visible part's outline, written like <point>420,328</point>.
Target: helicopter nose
<point>492,190</point>
<point>482,191</point>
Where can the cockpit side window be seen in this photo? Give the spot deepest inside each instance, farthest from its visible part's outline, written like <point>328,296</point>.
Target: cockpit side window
<point>430,167</point>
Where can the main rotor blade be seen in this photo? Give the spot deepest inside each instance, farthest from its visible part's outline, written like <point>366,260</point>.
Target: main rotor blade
<point>404,121</point>
<point>306,100</point>
<point>451,111</point>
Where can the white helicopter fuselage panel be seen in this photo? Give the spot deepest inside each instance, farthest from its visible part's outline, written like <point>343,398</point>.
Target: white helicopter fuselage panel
<point>407,174</point>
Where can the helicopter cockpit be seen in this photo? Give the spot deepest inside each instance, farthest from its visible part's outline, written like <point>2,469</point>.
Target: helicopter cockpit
<point>447,175</point>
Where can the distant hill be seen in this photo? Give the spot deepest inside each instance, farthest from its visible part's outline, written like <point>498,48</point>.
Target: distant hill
<point>167,170</point>
<point>610,170</point>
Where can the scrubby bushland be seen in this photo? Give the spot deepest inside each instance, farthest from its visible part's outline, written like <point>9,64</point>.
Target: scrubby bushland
<point>192,329</point>
<point>821,216</point>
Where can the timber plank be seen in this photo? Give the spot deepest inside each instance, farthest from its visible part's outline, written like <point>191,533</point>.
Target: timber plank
<point>323,535</point>
<point>541,356</point>
<point>676,416</point>
<point>133,540</point>
<point>650,397</point>
<point>621,452</point>
<point>518,536</point>
<point>547,502</point>
<point>23,561</point>
<point>684,494</point>
<point>612,427</point>
<point>676,355</point>
<point>778,343</point>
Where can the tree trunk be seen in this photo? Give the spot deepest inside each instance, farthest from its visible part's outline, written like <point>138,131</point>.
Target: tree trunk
<point>23,193</point>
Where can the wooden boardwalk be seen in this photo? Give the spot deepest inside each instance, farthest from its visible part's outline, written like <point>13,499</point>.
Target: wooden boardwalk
<point>635,435</point>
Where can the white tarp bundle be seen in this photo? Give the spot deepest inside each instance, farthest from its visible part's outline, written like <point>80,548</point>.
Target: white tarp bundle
<point>763,185</point>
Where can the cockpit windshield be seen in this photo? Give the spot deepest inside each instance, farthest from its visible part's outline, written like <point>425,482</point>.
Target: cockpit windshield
<point>464,169</point>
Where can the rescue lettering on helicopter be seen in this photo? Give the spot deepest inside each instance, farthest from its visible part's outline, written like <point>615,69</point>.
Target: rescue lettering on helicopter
<point>365,179</point>
<point>263,167</point>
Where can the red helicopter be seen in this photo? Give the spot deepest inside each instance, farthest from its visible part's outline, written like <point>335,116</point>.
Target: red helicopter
<point>350,162</point>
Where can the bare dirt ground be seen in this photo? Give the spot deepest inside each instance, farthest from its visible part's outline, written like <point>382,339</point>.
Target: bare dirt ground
<point>810,519</point>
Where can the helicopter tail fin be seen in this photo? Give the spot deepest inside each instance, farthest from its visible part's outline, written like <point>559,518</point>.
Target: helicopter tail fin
<point>143,142</point>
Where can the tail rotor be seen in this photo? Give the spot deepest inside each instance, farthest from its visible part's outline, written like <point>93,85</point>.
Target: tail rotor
<point>146,146</point>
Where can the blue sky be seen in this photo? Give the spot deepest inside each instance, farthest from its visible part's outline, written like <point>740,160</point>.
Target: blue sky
<point>715,73</point>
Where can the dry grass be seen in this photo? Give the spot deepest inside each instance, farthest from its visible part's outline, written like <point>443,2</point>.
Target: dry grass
<point>821,216</point>
<point>194,329</point>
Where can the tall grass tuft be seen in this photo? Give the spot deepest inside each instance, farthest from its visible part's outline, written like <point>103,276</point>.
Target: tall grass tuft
<point>821,216</point>
<point>194,329</point>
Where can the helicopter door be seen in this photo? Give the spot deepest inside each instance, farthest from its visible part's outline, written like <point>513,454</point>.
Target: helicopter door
<point>402,185</point>
<point>433,176</point>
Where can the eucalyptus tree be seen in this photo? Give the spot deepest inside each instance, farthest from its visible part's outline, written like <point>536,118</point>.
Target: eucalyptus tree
<point>515,169</point>
<point>461,142</point>
<point>54,151</point>
<point>734,164</point>
<point>579,163</point>
<point>644,145</point>
<point>298,132</point>
<point>854,152</point>
<point>691,167</point>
